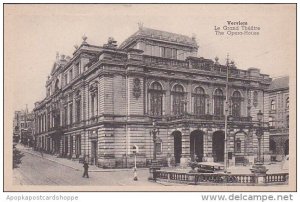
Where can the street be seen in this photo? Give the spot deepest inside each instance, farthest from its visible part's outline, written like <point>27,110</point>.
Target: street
<point>36,170</point>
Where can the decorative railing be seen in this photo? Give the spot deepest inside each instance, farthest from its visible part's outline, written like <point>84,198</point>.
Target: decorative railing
<point>278,177</point>
<point>152,60</point>
<point>217,178</point>
<point>211,66</point>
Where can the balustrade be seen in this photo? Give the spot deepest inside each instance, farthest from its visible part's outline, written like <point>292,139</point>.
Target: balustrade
<point>199,178</point>
<point>278,177</point>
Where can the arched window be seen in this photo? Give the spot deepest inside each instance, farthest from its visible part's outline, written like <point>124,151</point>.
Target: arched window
<point>199,101</point>
<point>218,102</point>
<point>236,104</point>
<point>156,99</point>
<point>178,99</point>
<point>273,107</point>
<point>94,104</point>
<point>94,99</point>
<point>287,103</point>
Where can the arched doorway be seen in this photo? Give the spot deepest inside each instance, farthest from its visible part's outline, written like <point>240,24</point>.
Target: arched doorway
<point>196,145</point>
<point>218,146</point>
<point>286,147</point>
<point>177,146</point>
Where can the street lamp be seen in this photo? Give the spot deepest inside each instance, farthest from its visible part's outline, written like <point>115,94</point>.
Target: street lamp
<point>258,169</point>
<point>259,134</point>
<point>154,165</point>
<point>155,131</point>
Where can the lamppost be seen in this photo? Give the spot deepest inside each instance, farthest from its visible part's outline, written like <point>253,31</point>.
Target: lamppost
<point>155,131</point>
<point>258,169</point>
<point>154,165</point>
<point>259,134</point>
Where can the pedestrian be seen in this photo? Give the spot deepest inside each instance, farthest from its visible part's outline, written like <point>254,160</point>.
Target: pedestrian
<point>86,169</point>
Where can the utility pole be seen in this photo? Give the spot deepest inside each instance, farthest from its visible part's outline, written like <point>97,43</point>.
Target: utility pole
<point>226,117</point>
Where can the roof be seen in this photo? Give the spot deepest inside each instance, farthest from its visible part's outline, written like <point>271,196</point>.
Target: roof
<point>279,83</point>
<point>160,35</point>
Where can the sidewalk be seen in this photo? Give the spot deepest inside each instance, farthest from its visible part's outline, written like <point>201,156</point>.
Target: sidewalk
<point>273,168</point>
<point>68,162</point>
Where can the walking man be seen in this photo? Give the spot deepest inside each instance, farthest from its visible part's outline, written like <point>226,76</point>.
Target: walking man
<point>86,169</point>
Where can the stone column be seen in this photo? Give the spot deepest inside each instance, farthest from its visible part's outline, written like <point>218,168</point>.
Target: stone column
<point>185,155</point>
<point>61,146</point>
<point>230,147</point>
<point>69,146</point>
<point>74,146</point>
<point>208,147</point>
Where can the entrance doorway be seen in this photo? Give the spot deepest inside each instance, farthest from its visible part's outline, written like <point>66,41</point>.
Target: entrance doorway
<point>66,144</point>
<point>94,152</point>
<point>196,145</point>
<point>177,146</point>
<point>218,146</point>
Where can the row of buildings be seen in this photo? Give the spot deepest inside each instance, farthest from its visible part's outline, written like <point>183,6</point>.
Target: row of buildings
<point>23,127</point>
<point>103,100</point>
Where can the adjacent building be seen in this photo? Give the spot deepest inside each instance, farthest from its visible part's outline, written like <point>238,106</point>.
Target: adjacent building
<point>23,127</point>
<point>102,101</point>
<point>278,109</point>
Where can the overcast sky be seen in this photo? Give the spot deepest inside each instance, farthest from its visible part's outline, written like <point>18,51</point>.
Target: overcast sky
<point>34,33</point>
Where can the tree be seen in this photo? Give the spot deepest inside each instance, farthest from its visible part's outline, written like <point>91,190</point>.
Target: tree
<point>17,155</point>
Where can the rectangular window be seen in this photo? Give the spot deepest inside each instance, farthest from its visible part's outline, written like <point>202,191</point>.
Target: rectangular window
<point>78,110</point>
<point>66,115</point>
<point>162,52</point>
<point>156,51</point>
<point>66,78</point>
<point>71,74</point>
<point>174,53</point>
<point>92,105</point>
<point>168,52</point>
<point>71,113</point>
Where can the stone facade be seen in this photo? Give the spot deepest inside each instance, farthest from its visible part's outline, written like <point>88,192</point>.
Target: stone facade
<point>278,110</point>
<point>102,101</point>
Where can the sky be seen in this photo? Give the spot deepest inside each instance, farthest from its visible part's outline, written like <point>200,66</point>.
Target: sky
<point>35,33</point>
